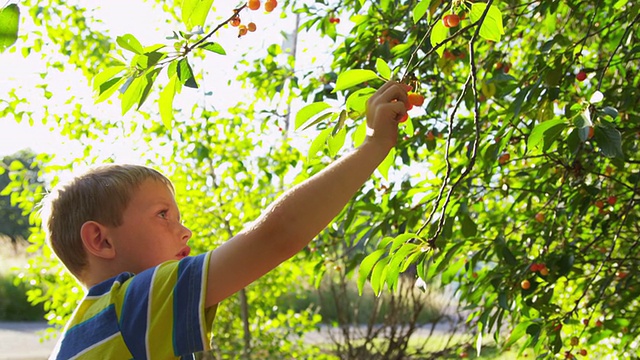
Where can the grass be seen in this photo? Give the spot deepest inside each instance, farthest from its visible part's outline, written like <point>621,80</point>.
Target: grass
<point>13,299</point>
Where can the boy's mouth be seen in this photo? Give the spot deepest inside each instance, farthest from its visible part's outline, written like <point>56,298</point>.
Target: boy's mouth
<point>183,253</point>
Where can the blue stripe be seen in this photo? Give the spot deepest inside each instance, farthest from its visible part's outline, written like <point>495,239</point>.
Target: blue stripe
<point>187,338</point>
<point>104,287</point>
<point>133,317</point>
<point>88,333</point>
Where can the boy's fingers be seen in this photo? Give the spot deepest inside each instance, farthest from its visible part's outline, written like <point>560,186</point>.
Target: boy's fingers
<point>392,111</point>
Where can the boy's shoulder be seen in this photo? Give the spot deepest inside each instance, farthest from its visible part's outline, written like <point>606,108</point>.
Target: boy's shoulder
<point>137,312</point>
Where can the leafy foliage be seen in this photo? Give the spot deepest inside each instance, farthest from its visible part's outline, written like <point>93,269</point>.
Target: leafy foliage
<point>524,153</point>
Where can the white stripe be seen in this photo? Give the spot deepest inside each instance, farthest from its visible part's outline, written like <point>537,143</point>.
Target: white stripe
<point>203,297</point>
<point>95,345</point>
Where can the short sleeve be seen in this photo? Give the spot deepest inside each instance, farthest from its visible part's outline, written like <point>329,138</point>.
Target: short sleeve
<point>163,311</point>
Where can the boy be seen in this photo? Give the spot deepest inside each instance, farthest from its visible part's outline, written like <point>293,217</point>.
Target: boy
<point>117,229</point>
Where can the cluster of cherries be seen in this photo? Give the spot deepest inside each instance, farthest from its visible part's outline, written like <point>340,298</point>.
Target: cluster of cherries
<point>269,5</point>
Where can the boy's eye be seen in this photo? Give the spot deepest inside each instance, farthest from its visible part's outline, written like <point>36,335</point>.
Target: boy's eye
<point>163,214</point>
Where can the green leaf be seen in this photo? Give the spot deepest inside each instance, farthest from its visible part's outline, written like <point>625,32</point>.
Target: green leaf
<point>384,5</point>
<point>194,12</point>
<point>309,111</point>
<point>151,78</point>
<point>104,76</point>
<point>538,133</point>
<point>185,74</point>
<point>165,101</point>
<point>213,47</point>
<point>357,101</point>
<point>401,239</point>
<point>336,142</point>
<point>491,28</point>
<point>16,165</point>
<point>438,34</point>
<point>366,266</point>
<point>129,42</point>
<point>318,143</point>
<point>377,276</point>
<point>468,226</point>
<point>518,332</point>
<point>383,69</point>
<point>109,87</point>
<point>609,140</point>
<point>419,10</point>
<point>340,124</point>
<point>611,111</point>
<point>133,93</point>
<point>384,166</point>
<point>9,24</point>
<point>353,77</point>
<point>393,269</point>
<point>360,134</point>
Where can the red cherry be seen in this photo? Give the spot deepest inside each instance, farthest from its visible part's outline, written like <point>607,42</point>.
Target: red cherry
<point>581,76</point>
<point>451,20</point>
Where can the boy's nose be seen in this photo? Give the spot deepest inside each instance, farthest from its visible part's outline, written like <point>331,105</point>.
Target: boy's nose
<point>186,234</point>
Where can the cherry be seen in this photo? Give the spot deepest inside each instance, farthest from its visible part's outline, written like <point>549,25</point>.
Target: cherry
<point>544,271</point>
<point>525,284</point>
<point>451,20</point>
<point>504,158</point>
<point>581,76</point>
<point>612,200</point>
<point>591,132</point>
<point>251,26</point>
<point>574,341</point>
<point>254,4</point>
<point>415,99</point>
<point>539,217</point>
<point>404,118</point>
<point>599,204</point>
<point>583,352</point>
<point>270,5</point>
<point>242,30</point>
<point>430,136</point>
<point>235,21</point>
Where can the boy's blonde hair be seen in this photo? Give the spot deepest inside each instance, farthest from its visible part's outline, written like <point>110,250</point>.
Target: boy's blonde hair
<point>101,195</point>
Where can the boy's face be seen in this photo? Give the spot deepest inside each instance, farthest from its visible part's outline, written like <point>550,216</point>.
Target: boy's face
<point>151,232</point>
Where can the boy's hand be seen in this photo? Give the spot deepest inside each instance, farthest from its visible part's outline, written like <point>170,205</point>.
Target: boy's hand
<point>385,108</point>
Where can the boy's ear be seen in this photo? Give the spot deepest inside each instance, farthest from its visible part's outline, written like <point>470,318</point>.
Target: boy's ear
<point>94,238</point>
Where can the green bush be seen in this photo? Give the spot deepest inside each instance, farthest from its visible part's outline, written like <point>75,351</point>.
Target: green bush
<point>320,299</point>
<point>13,301</point>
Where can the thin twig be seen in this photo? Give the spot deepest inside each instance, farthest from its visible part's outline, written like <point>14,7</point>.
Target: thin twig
<point>476,120</point>
<point>622,39</point>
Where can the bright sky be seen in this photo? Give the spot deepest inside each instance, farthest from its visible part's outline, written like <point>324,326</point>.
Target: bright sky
<point>21,73</point>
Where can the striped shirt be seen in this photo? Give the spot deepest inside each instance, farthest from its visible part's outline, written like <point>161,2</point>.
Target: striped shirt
<point>157,314</point>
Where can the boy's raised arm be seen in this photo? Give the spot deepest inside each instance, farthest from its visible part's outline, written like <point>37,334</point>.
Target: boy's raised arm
<point>302,212</point>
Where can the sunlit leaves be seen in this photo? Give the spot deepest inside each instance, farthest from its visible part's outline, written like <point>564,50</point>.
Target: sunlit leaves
<point>308,112</point>
<point>9,23</point>
<point>165,101</point>
<point>213,47</point>
<point>439,33</point>
<point>545,132</point>
<point>194,12</point>
<point>185,74</point>
<point>383,69</point>
<point>492,28</point>
<point>130,43</point>
<point>420,9</point>
<point>353,77</point>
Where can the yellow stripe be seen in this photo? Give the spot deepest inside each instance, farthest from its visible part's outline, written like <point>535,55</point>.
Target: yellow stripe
<point>160,329</point>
